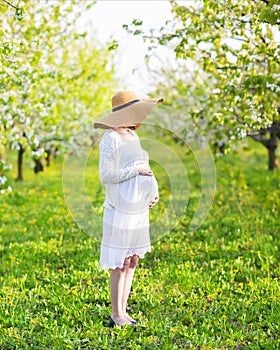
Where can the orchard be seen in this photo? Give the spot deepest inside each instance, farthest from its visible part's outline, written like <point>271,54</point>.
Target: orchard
<point>227,75</point>
<point>214,140</point>
<point>52,80</point>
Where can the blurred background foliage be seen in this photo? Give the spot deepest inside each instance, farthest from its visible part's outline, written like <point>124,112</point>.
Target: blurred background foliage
<point>53,80</point>
<point>227,72</point>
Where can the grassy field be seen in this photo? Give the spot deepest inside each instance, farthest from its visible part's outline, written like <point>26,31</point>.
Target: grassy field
<point>213,288</point>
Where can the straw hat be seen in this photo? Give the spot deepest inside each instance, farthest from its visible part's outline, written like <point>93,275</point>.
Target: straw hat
<point>127,110</point>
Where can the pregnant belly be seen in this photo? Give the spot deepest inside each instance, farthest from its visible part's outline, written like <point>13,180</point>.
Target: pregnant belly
<point>148,188</point>
<point>136,193</point>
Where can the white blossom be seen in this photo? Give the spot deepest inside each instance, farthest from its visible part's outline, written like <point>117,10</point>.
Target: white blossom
<point>39,152</point>
<point>276,7</point>
<point>242,134</point>
<point>36,141</point>
<point>216,91</point>
<point>3,179</point>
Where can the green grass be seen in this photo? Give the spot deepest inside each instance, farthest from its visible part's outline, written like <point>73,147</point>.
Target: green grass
<point>213,288</point>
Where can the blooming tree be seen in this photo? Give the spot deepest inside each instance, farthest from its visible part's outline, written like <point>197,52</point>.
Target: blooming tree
<point>52,79</point>
<point>228,74</point>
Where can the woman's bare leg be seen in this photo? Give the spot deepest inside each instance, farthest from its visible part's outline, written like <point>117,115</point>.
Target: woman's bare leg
<point>117,286</point>
<point>127,284</point>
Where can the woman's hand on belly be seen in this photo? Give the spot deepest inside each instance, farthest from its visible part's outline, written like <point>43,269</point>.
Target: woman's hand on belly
<point>154,202</point>
<point>145,170</point>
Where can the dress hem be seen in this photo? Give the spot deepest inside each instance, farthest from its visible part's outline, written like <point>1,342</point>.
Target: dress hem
<point>120,266</point>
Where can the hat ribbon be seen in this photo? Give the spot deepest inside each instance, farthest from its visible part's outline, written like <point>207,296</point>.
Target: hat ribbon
<point>125,105</point>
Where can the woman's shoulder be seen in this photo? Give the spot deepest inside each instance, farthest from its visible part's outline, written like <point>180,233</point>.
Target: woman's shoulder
<point>110,136</point>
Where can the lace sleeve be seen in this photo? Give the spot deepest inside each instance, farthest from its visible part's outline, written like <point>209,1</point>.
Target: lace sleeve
<point>109,170</point>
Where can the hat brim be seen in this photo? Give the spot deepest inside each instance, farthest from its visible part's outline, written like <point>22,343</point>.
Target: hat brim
<point>134,114</point>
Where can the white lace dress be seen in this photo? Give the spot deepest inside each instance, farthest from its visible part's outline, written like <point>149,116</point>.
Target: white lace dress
<point>126,206</point>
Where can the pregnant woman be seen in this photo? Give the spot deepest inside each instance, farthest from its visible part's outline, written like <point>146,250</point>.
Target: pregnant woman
<point>131,189</point>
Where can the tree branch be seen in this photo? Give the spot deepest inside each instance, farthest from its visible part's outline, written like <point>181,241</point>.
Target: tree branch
<point>239,39</point>
<point>272,129</point>
<point>259,138</point>
<point>52,139</point>
<point>229,67</point>
<point>74,77</point>
<point>265,1</point>
<point>8,3</point>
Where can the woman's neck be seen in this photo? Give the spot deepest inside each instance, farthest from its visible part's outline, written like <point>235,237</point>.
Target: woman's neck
<point>125,134</point>
<point>123,130</point>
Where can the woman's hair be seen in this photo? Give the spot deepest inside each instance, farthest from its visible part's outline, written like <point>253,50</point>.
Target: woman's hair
<point>131,127</point>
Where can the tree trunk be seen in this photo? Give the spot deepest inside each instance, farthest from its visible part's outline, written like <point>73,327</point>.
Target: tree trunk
<point>271,143</point>
<point>272,147</point>
<point>38,166</point>
<point>50,155</point>
<point>20,163</point>
<point>55,152</point>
